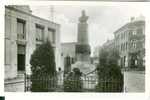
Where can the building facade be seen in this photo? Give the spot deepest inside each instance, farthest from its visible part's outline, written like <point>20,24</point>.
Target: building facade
<point>95,58</point>
<point>108,45</point>
<point>130,42</point>
<point>23,33</point>
<point>68,55</point>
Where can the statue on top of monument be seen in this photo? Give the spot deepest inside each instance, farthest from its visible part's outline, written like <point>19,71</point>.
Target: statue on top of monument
<point>83,18</point>
<point>83,49</point>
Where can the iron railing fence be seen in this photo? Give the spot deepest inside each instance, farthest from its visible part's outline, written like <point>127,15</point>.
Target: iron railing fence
<point>46,83</point>
<point>83,84</point>
<point>110,85</point>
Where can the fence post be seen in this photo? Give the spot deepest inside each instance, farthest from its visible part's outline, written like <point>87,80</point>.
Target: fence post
<point>24,82</point>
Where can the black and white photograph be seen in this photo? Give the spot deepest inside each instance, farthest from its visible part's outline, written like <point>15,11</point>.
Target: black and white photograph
<point>74,49</point>
<point>98,0</point>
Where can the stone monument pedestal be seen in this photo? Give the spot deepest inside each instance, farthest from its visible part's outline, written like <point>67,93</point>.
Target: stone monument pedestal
<point>89,80</point>
<point>85,67</point>
<point>83,52</point>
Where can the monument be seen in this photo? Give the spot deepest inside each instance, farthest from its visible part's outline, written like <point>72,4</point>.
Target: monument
<point>82,47</point>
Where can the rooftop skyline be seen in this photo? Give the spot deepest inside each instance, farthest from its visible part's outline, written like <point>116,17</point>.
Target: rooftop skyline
<point>102,22</point>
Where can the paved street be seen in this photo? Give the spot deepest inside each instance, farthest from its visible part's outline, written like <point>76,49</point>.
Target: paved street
<point>134,81</point>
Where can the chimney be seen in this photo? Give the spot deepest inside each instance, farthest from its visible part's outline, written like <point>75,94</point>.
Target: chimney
<point>132,19</point>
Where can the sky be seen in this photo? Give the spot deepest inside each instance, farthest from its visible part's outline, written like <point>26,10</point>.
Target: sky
<point>102,22</point>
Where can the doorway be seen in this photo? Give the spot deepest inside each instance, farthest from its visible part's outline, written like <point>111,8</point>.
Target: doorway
<point>21,58</point>
<point>21,62</point>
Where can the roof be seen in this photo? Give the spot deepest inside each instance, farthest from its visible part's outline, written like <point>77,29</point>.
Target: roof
<point>130,24</point>
<point>30,14</point>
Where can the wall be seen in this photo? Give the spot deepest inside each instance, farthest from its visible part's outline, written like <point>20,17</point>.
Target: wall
<point>11,41</point>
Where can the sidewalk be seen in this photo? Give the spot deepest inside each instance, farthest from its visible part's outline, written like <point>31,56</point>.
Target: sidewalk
<point>15,85</point>
<point>134,81</point>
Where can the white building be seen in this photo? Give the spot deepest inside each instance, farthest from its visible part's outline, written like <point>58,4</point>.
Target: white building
<point>130,42</point>
<point>68,50</point>
<point>23,33</point>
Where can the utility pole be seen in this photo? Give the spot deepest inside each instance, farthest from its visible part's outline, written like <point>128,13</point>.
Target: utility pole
<point>52,13</point>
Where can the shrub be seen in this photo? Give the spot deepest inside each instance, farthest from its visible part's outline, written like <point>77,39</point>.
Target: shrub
<point>43,67</point>
<point>110,78</point>
<point>73,82</point>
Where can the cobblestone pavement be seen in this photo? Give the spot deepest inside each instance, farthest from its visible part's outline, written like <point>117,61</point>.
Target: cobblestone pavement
<point>134,81</point>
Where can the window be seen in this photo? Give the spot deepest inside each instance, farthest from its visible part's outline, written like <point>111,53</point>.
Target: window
<point>61,54</point>
<point>126,46</point>
<point>143,45</point>
<point>124,35</point>
<point>20,29</point>
<point>39,33</point>
<point>118,37</point>
<point>121,47</point>
<point>51,35</point>
<point>134,45</point>
<point>134,32</point>
<point>38,45</point>
<point>133,42</point>
<point>139,31</point>
<point>130,32</point>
